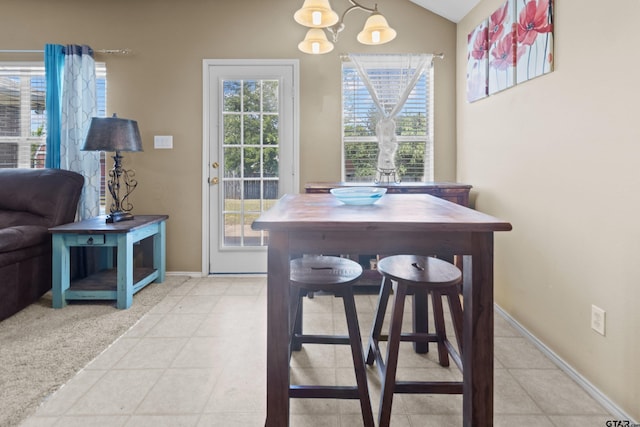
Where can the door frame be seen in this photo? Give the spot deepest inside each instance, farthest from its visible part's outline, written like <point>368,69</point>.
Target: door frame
<point>206,132</point>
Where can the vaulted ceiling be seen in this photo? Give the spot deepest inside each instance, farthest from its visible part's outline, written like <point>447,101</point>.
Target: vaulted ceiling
<point>453,10</point>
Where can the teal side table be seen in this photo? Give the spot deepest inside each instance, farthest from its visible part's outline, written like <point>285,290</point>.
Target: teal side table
<point>117,283</point>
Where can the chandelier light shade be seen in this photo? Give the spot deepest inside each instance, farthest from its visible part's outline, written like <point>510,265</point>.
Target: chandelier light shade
<point>376,31</point>
<point>315,42</point>
<point>115,135</point>
<point>318,15</point>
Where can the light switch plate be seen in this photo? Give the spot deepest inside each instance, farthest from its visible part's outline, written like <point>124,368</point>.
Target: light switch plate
<point>163,141</point>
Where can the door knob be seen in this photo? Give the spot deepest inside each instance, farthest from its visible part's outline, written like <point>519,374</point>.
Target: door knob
<point>214,180</point>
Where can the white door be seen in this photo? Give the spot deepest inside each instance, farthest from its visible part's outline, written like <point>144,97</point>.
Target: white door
<point>251,138</point>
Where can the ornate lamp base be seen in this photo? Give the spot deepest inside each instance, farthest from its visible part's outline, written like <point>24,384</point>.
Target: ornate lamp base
<point>121,206</point>
<point>119,216</point>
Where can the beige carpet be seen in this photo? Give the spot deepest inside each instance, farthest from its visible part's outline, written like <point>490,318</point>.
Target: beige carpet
<point>42,348</point>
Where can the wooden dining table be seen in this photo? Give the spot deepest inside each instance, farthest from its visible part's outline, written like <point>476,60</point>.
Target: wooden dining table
<point>418,224</point>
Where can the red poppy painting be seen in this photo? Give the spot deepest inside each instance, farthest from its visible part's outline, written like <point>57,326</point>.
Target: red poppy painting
<point>513,45</point>
<point>477,62</point>
<point>502,52</point>
<point>534,30</point>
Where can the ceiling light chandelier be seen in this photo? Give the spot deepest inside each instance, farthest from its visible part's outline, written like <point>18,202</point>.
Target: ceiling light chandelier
<point>317,14</point>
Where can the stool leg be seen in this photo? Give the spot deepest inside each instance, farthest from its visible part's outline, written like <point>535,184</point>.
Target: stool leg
<point>355,340</point>
<point>438,320</point>
<point>421,319</point>
<point>376,329</point>
<point>456,316</point>
<point>391,365</point>
<point>457,261</point>
<point>295,317</point>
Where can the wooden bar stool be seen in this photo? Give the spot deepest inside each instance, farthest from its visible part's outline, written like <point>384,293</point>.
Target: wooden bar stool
<point>336,276</point>
<point>420,276</point>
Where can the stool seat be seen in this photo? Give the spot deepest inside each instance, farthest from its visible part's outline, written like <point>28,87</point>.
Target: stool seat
<point>336,276</point>
<point>418,276</point>
<point>319,272</point>
<point>420,271</point>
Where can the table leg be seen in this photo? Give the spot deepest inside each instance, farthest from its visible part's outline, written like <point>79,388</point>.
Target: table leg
<point>60,271</point>
<point>159,251</point>
<point>278,330</point>
<point>124,291</point>
<point>478,332</point>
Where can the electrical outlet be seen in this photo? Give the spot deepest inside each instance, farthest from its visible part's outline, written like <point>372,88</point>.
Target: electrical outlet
<point>598,316</point>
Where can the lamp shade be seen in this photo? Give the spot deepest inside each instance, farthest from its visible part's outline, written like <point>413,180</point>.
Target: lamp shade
<point>376,30</point>
<point>316,14</point>
<point>113,134</point>
<point>315,42</point>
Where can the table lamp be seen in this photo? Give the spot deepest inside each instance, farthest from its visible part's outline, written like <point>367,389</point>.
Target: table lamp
<point>116,134</point>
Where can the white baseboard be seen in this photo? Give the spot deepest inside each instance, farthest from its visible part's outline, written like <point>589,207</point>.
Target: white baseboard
<point>592,390</point>
<point>197,274</point>
<point>192,274</point>
<point>237,275</point>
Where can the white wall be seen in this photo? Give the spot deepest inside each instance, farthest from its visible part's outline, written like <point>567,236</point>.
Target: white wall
<point>559,157</point>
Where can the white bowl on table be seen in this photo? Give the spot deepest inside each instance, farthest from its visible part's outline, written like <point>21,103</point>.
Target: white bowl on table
<point>358,195</point>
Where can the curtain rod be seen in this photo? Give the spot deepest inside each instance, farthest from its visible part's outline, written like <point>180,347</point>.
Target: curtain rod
<point>345,56</point>
<point>101,51</point>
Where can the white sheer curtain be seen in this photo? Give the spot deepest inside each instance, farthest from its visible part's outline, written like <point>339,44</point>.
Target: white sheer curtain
<point>79,105</point>
<point>389,79</point>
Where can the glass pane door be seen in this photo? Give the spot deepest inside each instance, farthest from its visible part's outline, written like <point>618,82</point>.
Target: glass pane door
<point>252,144</point>
<point>250,119</point>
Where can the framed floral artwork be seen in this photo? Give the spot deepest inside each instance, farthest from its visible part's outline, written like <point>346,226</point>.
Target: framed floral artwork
<point>534,32</point>
<point>502,61</point>
<point>513,45</point>
<point>477,62</point>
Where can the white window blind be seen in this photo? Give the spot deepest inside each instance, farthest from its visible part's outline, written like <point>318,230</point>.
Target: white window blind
<point>23,117</point>
<point>414,126</point>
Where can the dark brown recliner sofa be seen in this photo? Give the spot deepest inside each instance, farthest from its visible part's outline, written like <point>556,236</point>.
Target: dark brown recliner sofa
<point>31,201</point>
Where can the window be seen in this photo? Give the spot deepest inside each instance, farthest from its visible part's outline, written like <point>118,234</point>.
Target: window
<point>23,118</point>
<point>414,128</point>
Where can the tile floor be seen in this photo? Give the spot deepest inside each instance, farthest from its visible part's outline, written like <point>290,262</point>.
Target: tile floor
<point>198,359</point>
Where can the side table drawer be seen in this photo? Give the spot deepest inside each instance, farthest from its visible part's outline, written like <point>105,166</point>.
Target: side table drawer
<point>90,239</point>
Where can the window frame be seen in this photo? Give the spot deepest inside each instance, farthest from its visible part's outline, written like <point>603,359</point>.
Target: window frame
<point>427,80</point>
<point>37,69</point>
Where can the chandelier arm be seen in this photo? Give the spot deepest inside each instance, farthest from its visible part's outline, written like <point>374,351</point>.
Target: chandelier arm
<point>339,26</point>
<point>359,6</point>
